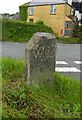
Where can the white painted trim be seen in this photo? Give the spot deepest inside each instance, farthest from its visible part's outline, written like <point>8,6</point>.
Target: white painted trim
<point>61,62</point>
<point>78,62</point>
<point>67,69</point>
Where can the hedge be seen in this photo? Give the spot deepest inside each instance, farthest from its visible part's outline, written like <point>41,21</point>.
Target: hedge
<point>21,31</point>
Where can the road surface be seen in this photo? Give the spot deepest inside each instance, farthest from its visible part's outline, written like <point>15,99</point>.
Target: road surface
<point>68,59</point>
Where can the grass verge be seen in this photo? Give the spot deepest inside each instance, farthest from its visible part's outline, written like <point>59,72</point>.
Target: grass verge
<point>22,101</point>
<point>71,40</point>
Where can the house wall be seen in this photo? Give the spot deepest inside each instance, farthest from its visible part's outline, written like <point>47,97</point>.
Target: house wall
<point>55,21</point>
<point>68,10</point>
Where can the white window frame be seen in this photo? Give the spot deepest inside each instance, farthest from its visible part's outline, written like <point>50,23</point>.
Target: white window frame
<point>31,10</point>
<point>53,9</point>
<point>68,24</point>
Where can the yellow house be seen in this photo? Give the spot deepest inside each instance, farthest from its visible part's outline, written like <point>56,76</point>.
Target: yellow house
<point>54,13</point>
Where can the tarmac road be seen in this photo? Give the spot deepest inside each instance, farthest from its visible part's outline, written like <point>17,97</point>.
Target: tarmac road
<point>68,57</point>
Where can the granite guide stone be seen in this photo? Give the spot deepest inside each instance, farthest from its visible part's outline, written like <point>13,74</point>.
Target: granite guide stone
<point>40,58</point>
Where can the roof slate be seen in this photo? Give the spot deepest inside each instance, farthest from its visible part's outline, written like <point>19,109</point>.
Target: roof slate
<point>42,2</point>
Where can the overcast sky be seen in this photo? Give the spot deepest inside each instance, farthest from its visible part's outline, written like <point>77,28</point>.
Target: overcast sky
<point>11,6</point>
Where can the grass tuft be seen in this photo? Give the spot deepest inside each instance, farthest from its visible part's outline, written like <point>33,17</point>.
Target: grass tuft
<point>22,101</point>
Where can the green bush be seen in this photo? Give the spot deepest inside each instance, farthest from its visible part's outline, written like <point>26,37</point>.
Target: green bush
<point>76,31</point>
<point>40,22</point>
<point>23,13</point>
<point>21,31</point>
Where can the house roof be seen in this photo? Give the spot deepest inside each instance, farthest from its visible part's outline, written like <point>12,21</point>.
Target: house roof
<point>46,2</point>
<point>73,18</point>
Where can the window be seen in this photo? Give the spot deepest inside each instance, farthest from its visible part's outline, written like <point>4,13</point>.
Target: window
<point>68,24</point>
<point>31,20</point>
<point>68,33</point>
<point>72,11</point>
<point>31,10</point>
<point>53,9</point>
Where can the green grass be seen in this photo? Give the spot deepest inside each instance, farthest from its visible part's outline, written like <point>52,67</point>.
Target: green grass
<point>0,89</point>
<point>71,40</point>
<point>22,101</point>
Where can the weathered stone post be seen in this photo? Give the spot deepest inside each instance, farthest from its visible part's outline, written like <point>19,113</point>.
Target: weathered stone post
<point>40,54</point>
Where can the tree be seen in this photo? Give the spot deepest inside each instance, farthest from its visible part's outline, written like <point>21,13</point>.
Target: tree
<point>80,7</point>
<point>5,15</point>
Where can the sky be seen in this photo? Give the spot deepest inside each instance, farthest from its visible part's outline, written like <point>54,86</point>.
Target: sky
<point>11,6</point>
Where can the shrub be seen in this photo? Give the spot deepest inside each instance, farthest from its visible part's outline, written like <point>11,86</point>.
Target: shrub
<point>40,22</point>
<point>76,31</point>
<point>21,31</point>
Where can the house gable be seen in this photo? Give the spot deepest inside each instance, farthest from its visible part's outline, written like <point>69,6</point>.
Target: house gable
<point>42,11</point>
